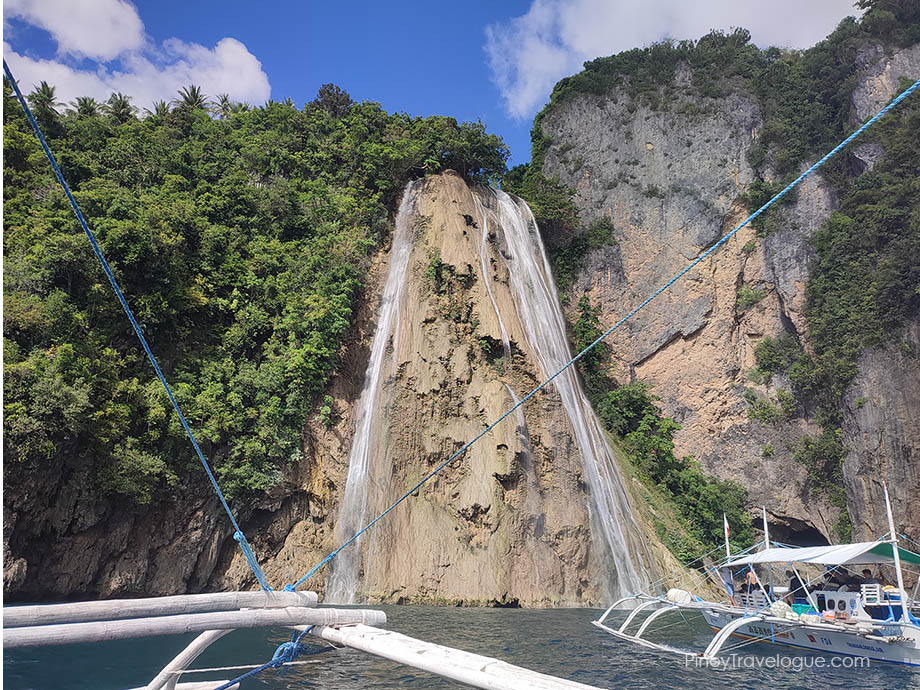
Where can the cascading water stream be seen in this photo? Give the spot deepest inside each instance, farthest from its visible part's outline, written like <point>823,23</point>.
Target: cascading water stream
<point>540,314</point>
<point>486,277</point>
<point>539,311</point>
<point>345,577</point>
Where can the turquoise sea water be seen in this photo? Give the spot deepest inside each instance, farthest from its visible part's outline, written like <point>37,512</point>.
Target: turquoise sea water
<point>560,642</point>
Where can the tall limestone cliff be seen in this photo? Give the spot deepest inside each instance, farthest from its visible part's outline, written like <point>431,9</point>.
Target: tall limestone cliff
<point>672,178</point>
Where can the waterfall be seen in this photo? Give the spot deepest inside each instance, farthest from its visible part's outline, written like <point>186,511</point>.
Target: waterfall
<point>486,276</point>
<point>534,295</point>
<point>345,577</point>
<point>614,527</point>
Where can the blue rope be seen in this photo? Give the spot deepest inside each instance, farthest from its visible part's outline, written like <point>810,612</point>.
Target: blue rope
<point>238,535</point>
<point>610,330</point>
<point>286,652</point>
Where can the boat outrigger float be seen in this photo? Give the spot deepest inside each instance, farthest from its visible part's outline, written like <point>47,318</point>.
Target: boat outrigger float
<point>839,616</point>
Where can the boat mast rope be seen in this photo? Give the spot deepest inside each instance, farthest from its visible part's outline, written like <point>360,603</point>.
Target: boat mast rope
<point>238,533</point>
<point>792,185</point>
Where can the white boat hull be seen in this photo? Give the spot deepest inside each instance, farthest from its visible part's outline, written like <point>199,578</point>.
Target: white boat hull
<point>820,639</point>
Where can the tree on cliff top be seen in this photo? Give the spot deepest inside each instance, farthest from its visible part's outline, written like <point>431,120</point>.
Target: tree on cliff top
<point>333,100</point>
<point>897,21</point>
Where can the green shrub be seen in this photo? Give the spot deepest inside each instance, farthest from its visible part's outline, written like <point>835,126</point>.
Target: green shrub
<point>761,409</point>
<point>777,354</point>
<point>326,413</point>
<point>749,296</point>
<point>787,403</point>
<point>434,271</point>
<point>599,233</point>
<point>586,330</point>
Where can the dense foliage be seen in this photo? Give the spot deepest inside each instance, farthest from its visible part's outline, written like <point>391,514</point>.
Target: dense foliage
<point>241,243</point>
<point>867,278</point>
<point>630,411</point>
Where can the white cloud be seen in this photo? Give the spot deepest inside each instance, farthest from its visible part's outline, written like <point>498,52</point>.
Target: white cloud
<point>528,54</point>
<point>97,29</point>
<point>144,71</point>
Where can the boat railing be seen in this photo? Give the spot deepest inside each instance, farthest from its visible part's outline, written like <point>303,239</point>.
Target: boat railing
<point>752,600</point>
<point>871,594</point>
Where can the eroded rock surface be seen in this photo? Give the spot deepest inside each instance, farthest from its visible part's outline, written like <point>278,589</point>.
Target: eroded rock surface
<point>671,182</point>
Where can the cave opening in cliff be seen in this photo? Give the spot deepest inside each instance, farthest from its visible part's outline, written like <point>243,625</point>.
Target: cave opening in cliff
<point>797,533</point>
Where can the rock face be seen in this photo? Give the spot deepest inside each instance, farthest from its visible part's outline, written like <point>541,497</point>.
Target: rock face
<point>882,432</point>
<point>59,543</point>
<point>881,78</point>
<point>670,181</point>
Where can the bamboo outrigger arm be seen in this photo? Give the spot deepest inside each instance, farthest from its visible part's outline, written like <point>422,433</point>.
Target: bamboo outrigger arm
<point>99,631</point>
<point>655,614</point>
<point>636,611</point>
<point>113,609</point>
<point>720,637</point>
<point>473,669</point>
<point>167,678</point>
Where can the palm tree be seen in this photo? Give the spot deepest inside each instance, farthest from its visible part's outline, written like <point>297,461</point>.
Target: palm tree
<point>119,107</point>
<point>223,106</point>
<point>239,108</point>
<point>159,111</point>
<point>191,97</point>
<point>44,103</point>
<point>85,106</point>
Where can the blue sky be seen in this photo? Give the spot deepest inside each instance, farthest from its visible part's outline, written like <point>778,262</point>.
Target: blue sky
<point>493,61</point>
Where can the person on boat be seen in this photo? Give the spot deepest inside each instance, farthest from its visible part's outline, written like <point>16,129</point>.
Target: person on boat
<point>851,582</point>
<point>867,578</point>
<point>796,588</point>
<point>751,583</point>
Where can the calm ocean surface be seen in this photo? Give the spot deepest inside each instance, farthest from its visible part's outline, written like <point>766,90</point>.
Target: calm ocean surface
<point>561,642</point>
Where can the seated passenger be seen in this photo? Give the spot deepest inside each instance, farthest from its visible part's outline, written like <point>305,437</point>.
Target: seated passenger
<point>867,578</point>
<point>750,582</point>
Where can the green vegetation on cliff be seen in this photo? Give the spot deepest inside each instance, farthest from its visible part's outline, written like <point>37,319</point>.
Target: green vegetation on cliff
<point>241,242</point>
<point>804,96</point>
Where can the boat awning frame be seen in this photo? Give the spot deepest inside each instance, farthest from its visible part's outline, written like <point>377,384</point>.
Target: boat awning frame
<point>861,553</point>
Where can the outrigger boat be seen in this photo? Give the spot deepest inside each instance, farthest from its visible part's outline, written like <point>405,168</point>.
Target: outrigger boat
<point>872,621</point>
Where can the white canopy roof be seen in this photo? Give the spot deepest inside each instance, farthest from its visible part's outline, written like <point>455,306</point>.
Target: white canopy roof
<point>841,554</point>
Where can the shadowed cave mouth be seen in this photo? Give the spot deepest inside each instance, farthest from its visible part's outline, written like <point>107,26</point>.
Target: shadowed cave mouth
<point>796,533</point>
